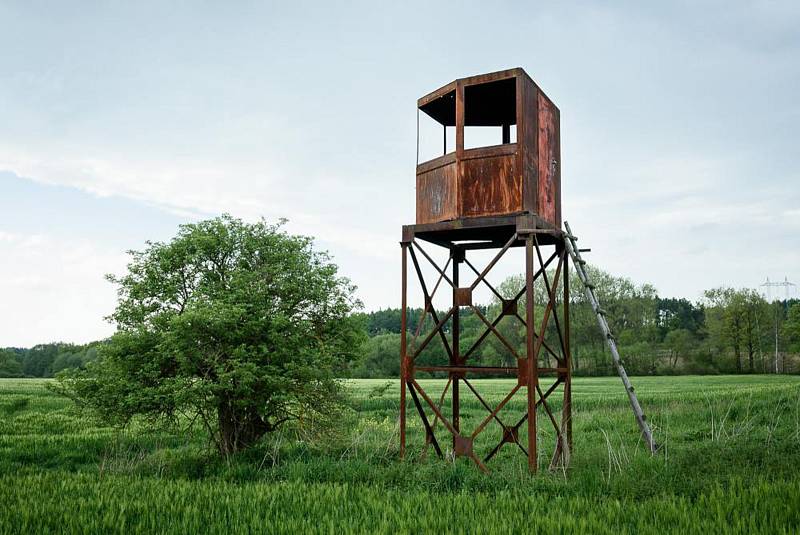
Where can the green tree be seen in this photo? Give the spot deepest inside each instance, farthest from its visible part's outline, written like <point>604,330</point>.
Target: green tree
<point>10,366</point>
<point>381,357</point>
<point>66,360</point>
<point>240,325</point>
<point>679,343</point>
<point>757,322</point>
<point>791,328</point>
<point>38,360</point>
<point>679,313</point>
<point>388,321</point>
<point>724,321</point>
<point>740,320</point>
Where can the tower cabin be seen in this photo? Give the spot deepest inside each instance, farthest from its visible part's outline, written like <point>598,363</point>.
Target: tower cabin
<point>517,174</point>
<point>497,187</point>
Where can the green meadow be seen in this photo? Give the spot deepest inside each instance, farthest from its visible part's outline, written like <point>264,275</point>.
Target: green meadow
<point>728,463</point>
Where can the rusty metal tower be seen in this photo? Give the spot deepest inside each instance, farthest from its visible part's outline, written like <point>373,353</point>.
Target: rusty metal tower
<point>498,197</point>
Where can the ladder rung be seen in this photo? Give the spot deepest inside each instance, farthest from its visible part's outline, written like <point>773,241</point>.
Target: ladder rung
<point>619,364</point>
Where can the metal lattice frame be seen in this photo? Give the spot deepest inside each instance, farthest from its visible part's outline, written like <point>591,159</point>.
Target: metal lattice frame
<point>528,370</point>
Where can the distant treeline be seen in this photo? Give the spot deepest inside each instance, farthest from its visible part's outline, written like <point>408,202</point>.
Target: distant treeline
<point>45,360</point>
<point>728,331</point>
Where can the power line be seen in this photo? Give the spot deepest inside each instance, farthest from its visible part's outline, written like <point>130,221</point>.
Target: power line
<point>786,285</point>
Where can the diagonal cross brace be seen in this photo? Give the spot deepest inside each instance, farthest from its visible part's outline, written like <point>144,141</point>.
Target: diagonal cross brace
<point>516,298</point>
<point>524,418</point>
<point>429,435</point>
<point>429,302</point>
<point>448,425</point>
<point>494,261</point>
<point>548,310</point>
<point>433,333</point>
<point>551,292</point>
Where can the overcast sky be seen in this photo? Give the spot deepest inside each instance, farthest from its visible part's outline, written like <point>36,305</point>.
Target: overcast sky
<point>119,121</point>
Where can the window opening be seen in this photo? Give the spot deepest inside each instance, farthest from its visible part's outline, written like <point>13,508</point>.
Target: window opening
<point>490,114</point>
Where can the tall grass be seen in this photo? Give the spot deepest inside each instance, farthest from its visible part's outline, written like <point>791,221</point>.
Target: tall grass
<point>729,463</point>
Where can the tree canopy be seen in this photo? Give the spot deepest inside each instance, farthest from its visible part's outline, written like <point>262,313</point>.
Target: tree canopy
<point>239,325</point>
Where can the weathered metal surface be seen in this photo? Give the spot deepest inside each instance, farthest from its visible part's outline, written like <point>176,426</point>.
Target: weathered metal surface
<point>459,366</point>
<point>528,131</point>
<point>403,355</point>
<point>494,197</point>
<point>490,186</point>
<point>510,178</point>
<point>549,187</point>
<point>437,192</point>
<point>489,232</point>
<point>462,297</point>
<point>459,296</point>
<point>530,355</point>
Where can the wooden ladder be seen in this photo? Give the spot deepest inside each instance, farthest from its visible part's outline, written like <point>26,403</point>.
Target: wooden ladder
<point>575,253</point>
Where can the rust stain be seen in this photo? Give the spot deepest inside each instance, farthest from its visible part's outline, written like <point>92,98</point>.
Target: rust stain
<point>548,161</point>
<point>436,194</point>
<point>490,186</point>
<point>501,179</point>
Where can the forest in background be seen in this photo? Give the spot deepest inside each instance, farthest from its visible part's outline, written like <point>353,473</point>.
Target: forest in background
<point>728,331</point>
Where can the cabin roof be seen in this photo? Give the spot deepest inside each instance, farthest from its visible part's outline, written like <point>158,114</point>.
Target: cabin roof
<point>490,99</point>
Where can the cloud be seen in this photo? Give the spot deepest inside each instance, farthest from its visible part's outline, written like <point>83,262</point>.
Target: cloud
<point>791,218</point>
<point>191,190</point>
<point>195,189</point>
<point>51,289</point>
<point>672,173</point>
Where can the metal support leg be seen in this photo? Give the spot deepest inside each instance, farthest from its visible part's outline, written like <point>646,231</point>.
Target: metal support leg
<point>567,410</point>
<point>456,354</point>
<point>403,350</point>
<point>532,378</point>
<point>527,371</point>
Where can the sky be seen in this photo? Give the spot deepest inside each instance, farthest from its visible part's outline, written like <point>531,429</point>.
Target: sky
<point>122,120</point>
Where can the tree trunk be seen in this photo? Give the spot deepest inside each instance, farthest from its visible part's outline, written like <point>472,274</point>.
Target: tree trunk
<point>238,430</point>
<point>738,359</point>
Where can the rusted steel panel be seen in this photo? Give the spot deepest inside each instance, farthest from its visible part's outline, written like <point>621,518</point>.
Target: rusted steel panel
<point>495,186</point>
<point>439,93</point>
<point>462,297</point>
<point>490,186</point>
<point>492,76</point>
<point>436,163</point>
<point>436,194</point>
<point>549,196</point>
<point>490,151</point>
<point>528,133</point>
<point>500,196</point>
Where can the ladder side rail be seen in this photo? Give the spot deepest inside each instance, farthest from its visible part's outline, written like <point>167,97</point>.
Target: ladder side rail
<point>573,251</point>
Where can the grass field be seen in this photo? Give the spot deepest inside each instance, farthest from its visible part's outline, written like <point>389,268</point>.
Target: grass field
<point>729,463</point>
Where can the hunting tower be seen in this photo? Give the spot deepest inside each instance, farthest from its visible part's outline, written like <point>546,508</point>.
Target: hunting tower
<point>518,175</point>
<point>497,197</point>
